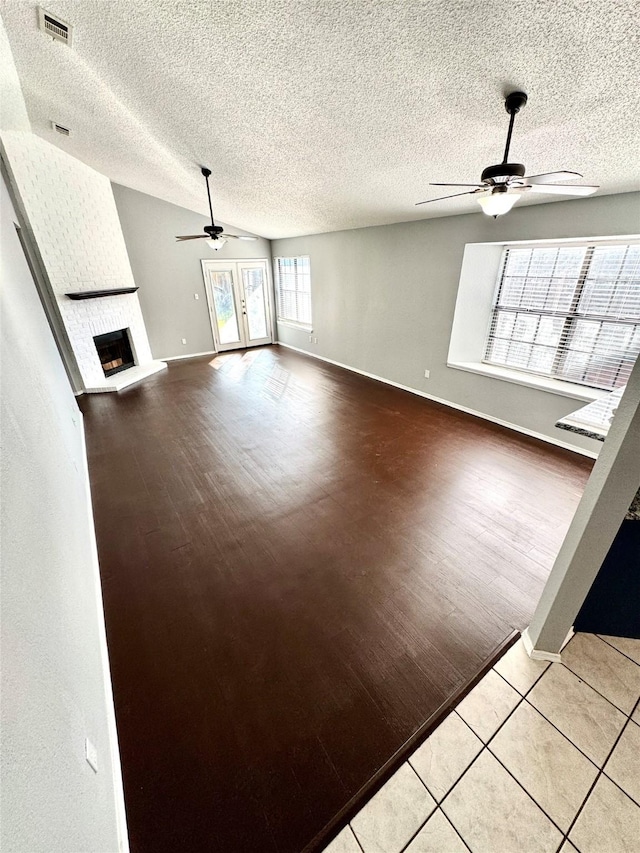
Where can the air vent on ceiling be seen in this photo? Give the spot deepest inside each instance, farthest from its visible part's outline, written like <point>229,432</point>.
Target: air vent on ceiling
<point>60,128</point>
<point>54,26</point>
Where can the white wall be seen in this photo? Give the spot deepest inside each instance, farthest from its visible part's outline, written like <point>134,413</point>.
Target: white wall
<point>72,217</point>
<point>384,299</point>
<point>169,273</point>
<point>55,687</point>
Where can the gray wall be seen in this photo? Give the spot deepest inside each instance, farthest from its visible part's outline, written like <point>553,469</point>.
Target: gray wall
<point>384,297</point>
<point>54,692</point>
<point>169,273</point>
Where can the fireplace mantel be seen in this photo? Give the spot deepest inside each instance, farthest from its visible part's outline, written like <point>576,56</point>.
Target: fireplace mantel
<point>96,294</point>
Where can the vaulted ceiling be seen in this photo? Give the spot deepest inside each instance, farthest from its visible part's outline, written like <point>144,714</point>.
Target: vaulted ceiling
<point>319,115</point>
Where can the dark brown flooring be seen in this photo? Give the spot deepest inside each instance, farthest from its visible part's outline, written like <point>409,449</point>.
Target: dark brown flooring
<point>299,566</point>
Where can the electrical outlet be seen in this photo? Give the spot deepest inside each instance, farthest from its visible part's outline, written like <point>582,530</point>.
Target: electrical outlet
<point>315,340</point>
<point>184,340</point>
<point>427,373</point>
<point>196,296</point>
<point>310,339</point>
<point>91,754</point>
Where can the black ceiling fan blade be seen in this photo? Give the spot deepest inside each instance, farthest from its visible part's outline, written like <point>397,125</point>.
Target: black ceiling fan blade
<point>552,177</point>
<point>560,189</point>
<point>432,184</point>
<point>195,237</point>
<point>444,197</point>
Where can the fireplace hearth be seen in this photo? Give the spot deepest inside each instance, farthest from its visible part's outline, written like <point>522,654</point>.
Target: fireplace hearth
<point>114,351</point>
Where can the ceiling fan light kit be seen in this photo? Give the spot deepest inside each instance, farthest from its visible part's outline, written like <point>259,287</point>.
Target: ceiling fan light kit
<point>498,202</point>
<point>213,234</point>
<point>501,186</point>
<point>216,244</point>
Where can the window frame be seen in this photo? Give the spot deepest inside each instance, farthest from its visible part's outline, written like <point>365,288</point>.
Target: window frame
<point>293,322</point>
<point>570,316</point>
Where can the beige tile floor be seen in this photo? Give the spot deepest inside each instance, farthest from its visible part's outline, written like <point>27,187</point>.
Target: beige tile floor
<point>538,758</point>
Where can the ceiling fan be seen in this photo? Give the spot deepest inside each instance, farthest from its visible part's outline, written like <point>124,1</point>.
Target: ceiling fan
<point>502,185</point>
<point>214,234</point>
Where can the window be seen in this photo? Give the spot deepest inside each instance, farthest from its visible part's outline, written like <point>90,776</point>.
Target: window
<point>293,289</point>
<point>568,312</point>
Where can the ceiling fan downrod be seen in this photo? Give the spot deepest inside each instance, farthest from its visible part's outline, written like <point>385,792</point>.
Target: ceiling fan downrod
<point>213,230</point>
<point>499,173</point>
<point>513,104</point>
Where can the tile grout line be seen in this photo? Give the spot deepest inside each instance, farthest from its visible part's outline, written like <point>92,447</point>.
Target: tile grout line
<point>600,770</point>
<point>455,829</point>
<point>475,758</point>
<point>604,772</point>
<point>566,737</point>
<point>431,813</point>
<point>353,832</point>
<point>584,680</point>
<point>534,801</point>
<point>504,722</point>
<point>437,808</point>
<point>611,646</point>
<point>464,772</point>
<point>422,826</point>
<point>530,703</point>
<point>619,787</point>
<point>601,773</point>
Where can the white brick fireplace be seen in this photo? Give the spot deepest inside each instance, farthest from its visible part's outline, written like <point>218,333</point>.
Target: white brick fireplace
<point>87,318</point>
<point>72,215</point>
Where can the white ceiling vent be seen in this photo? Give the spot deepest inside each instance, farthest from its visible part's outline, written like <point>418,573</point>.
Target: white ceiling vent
<point>54,26</point>
<point>60,128</point>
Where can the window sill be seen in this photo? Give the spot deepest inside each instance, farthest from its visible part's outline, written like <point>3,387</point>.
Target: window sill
<point>540,383</point>
<point>292,325</point>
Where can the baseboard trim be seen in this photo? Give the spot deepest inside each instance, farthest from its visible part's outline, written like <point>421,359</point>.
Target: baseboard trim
<point>114,751</point>
<point>348,812</point>
<point>568,637</point>
<point>190,355</point>
<point>531,433</point>
<point>538,654</point>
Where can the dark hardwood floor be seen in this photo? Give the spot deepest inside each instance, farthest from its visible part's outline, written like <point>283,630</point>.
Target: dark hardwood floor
<point>299,566</point>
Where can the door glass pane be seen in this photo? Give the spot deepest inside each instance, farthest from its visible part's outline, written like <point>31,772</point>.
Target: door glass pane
<point>253,281</point>
<point>224,305</point>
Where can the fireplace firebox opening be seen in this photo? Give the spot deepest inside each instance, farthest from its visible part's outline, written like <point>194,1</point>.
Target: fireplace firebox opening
<point>114,351</point>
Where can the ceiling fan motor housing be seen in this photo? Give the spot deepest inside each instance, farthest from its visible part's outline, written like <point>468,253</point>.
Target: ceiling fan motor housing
<point>502,172</point>
<point>213,230</point>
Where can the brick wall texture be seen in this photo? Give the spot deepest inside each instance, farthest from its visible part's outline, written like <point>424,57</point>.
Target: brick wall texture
<point>73,217</point>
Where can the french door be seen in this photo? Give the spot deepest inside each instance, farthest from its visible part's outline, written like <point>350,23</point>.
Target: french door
<point>239,305</point>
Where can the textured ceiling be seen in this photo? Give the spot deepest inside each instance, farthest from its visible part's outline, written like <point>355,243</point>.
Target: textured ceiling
<point>319,115</point>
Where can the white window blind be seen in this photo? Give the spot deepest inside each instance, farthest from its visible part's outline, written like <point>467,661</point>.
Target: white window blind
<point>569,312</point>
<point>293,288</point>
